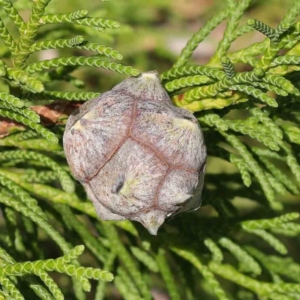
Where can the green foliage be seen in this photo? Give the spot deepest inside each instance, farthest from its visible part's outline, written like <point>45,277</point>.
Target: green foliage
<point>246,232</point>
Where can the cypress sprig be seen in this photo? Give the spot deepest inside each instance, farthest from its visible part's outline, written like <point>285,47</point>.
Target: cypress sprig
<point>271,240</point>
<point>101,49</point>
<point>253,165</point>
<point>2,68</point>
<point>20,269</point>
<point>123,288</point>
<point>192,70</point>
<point>21,78</point>
<point>247,263</point>
<point>184,82</point>
<point>293,133</point>
<point>233,82</point>
<point>59,18</point>
<point>217,102</point>
<point>263,136</point>
<point>228,67</point>
<point>50,284</point>
<point>100,291</point>
<point>26,81</point>
<point>11,288</point>
<point>29,32</point>
<point>71,255</point>
<point>36,218</point>
<point>97,22</point>
<point>145,258</point>
<point>55,195</point>
<point>289,229</point>
<point>267,153</point>
<point>79,96</point>
<point>64,178</point>
<point>76,42</point>
<point>280,265</point>
<point>39,177</point>
<point>6,257</point>
<point>7,38</point>
<point>21,194</point>
<point>29,143</point>
<point>91,242</point>
<point>263,117</point>
<point>256,169</point>
<point>276,184</point>
<point>291,161</point>
<point>264,29</point>
<point>248,77</point>
<point>81,61</point>
<point>126,285</point>
<point>56,44</point>
<point>217,254</point>
<point>38,128</point>
<point>204,270</point>
<point>280,82</point>
<point>58,95</point>
<point>294,166</point>
<point>270,87</point>
<point>12,13</point>
<point>41,291</point>
<point>235,12</point>
<point>79,18</point>
<point>260,288</point>
<point>270,54</point>
<point>26,112</point>
<point>11,221</point>
<point>167,274</point>
<point>269,223</point>
<point>11,100</point>
<point>288,19</point>
<point>243,169</point>
<point>127,260</point>
<point>207,91</point>
<point>256,93</point>
<point>214,120</point>
<point>244,55</point>
<point>286,60</point>
<point>278,174</point>
<point>33,283</point>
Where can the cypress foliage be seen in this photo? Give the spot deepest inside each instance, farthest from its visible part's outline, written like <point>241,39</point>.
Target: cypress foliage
<point>250,121</point>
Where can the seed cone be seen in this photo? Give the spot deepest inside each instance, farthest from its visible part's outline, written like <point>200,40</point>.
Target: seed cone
<point>138,156</point>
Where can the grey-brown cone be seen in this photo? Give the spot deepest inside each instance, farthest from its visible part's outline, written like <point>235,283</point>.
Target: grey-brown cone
<point>138,156</point>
